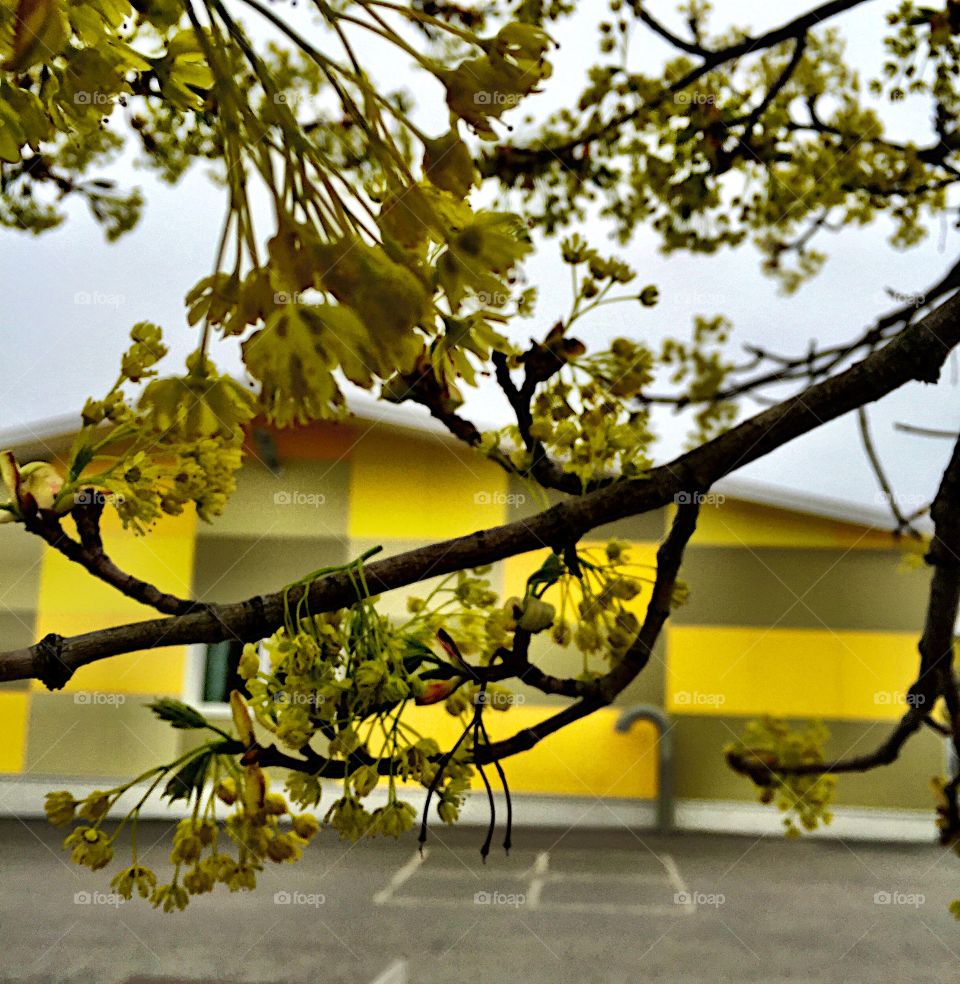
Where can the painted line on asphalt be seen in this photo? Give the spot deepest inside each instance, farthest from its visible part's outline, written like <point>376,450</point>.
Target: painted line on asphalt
<point>396,973</point>
<point>679,885</point>
<point>540,869</point>
<point>400,876</point>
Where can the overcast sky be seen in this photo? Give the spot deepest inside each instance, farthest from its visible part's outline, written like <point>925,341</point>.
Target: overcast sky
<point>69,298</point>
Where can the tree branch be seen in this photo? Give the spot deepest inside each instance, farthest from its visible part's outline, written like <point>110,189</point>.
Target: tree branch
<point>916,353</point>
<point>604,690</point>
<point>795,29</point>
<point>91,556</point>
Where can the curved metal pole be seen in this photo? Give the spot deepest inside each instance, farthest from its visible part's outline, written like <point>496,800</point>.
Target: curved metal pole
<point>658,717</point>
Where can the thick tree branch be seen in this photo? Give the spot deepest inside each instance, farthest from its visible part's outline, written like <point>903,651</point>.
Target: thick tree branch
<point>604,690</point>
<point>916,353</point>
<point>90,555</point>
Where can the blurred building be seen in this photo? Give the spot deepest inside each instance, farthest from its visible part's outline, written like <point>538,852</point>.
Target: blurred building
<point>798,607</point>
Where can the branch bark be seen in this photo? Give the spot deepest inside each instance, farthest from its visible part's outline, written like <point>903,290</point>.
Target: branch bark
<point>91,556</point>
<point>916,353</point>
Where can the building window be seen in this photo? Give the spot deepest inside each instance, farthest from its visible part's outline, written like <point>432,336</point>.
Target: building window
<point>220,671</point>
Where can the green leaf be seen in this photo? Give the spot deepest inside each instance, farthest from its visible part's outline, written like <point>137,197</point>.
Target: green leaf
<point>82,458</point>
<point>189,779</point>
<point>178,714</point>
<point>550,572</point>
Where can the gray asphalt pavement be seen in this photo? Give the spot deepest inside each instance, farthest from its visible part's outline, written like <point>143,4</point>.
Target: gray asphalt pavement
<point>578,907</point>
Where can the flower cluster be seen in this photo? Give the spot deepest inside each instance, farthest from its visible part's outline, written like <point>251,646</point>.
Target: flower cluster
<point>770,743</point>
<point>180,444</point>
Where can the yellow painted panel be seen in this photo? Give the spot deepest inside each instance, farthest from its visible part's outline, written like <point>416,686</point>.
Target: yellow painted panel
<point>736,523</point>
<point>788,672</point>
<point>71,601</point>
<point>151,671</point>
<point>587,758</point>
<point>418,488</point>
<point>166,562</point>
<point>14,708</point>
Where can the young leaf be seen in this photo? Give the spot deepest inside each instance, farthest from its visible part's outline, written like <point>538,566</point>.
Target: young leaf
<point>178,714</point>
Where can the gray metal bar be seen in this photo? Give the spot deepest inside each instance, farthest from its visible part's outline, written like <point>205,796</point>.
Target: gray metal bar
<point>657,716</point>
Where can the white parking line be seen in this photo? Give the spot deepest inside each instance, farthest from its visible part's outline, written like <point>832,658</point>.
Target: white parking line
<point>540,867</point>
<point>540,874</point>
<point>676,879</point>
<point>396,973</point>
<point>400,876</point>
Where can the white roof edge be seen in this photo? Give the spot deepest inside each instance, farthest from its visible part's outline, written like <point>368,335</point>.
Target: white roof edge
<point>409,418</point>
<point>812,504</point>
<point>37,433</point>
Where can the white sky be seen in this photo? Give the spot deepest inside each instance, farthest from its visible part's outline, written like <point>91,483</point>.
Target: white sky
<point>58,351</point>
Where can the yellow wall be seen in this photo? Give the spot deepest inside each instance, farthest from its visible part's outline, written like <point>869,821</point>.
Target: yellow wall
<point>72,602</point>
<point>729,670</point>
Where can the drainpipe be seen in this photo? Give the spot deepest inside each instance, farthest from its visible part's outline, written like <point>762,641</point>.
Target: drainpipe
<point>656,716</point>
